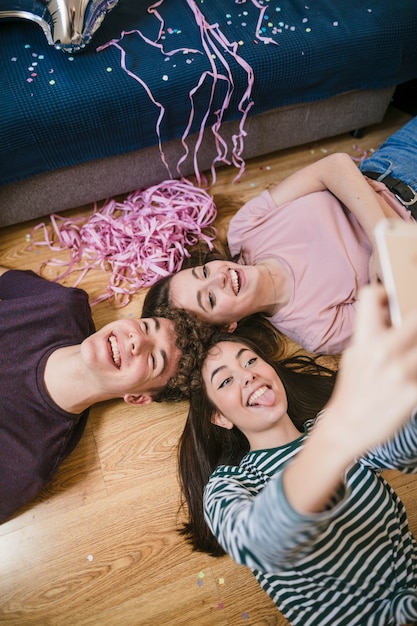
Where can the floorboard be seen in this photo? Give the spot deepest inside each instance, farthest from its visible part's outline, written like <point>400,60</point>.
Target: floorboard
<point>99,545</point>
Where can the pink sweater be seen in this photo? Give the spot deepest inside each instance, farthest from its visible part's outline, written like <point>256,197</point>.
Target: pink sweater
<point>327,254</point>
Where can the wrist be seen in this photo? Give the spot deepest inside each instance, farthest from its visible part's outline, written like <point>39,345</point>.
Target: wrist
<point>315,474</point>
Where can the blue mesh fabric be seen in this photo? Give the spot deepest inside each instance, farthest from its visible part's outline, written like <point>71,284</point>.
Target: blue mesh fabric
<point>59,109</point>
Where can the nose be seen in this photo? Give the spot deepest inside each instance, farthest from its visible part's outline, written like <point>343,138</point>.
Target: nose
<point>218,279</point>
<point>138,343</point>
<point>248,377</point>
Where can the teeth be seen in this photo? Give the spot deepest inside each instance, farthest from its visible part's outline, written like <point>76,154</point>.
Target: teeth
<point>114,350</point>
<point>257,394</point>
<point>235,281</point>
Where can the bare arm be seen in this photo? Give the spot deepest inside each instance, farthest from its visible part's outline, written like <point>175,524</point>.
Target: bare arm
<point>375,393</point>
<point>3,270</point>
<point>338,174</point>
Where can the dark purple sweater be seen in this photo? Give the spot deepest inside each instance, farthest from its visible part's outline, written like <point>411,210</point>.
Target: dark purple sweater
<point>36,317</point>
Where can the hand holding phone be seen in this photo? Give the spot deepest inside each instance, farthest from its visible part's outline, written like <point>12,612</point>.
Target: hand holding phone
<point>396,242</point>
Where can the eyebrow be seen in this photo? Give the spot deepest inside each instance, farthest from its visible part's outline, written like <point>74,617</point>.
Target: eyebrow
<point>199,300</point>
<point>222,367</point>
<point>165,360</point>
<point>216,371</point>
<point>163,353</point>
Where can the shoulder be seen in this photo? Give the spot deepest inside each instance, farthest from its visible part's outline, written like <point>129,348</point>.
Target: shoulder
<point>256,206</point>
<point>30,283</point>
<point>21,283</point>
<point>244,225</point>
<point>26,284</point>
<point>225,476</point>
<point>255,469</point>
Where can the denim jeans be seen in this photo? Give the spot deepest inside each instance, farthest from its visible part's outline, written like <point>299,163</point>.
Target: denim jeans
<point>397,156</point>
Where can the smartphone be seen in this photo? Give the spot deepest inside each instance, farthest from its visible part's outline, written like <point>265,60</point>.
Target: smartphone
<point>396,243</point>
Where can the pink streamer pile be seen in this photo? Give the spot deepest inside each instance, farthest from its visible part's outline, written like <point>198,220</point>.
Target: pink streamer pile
<point>139,240</point>
<point>215,45</point>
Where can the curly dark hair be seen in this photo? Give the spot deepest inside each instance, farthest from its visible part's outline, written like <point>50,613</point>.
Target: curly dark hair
<point>192,337</point>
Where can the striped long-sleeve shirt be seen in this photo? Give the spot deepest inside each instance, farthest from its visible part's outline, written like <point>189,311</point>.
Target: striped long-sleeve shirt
<point>354,564</point>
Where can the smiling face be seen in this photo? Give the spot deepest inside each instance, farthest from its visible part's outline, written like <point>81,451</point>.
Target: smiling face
<point>219,292</point>
<point>131,357</point>
<point>248,394</point>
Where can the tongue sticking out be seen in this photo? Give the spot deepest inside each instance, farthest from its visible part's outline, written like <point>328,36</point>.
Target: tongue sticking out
<point>262,397</point>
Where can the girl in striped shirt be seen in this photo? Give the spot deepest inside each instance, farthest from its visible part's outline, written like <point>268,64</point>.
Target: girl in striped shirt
<point>309,512</point>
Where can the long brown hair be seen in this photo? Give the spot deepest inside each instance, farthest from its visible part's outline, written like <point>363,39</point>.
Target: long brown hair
<point>204,446</point>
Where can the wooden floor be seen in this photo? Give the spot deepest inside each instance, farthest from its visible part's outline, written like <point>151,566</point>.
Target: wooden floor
<point>99,546</point>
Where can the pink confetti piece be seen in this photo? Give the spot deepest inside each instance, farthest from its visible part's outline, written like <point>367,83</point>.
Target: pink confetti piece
<point>138,241</point>
<point>361,157</point>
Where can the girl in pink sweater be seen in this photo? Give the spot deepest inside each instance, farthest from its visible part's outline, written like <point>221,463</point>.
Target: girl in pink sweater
<point>303,248</point>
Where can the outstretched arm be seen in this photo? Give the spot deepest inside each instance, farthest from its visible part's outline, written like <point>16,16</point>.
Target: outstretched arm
<point>338,174</point>
<point>375,393</point>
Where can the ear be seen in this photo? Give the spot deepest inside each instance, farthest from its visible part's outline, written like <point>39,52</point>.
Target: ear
<point>220,420</point>
<point>141,399</point>
<point>230,328</point>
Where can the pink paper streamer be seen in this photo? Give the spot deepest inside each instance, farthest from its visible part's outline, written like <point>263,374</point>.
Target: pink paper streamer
<point>138,241</point>
<point>360,158</point>
<point>215,45</point>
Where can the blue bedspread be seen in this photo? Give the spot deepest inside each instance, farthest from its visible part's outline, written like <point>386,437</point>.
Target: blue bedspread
<point>59,109</point>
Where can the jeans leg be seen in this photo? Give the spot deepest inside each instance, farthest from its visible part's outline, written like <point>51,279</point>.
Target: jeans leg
<point>397,156</point>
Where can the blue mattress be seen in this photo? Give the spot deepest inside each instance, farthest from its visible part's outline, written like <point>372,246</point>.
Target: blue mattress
<point>59,109</point>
